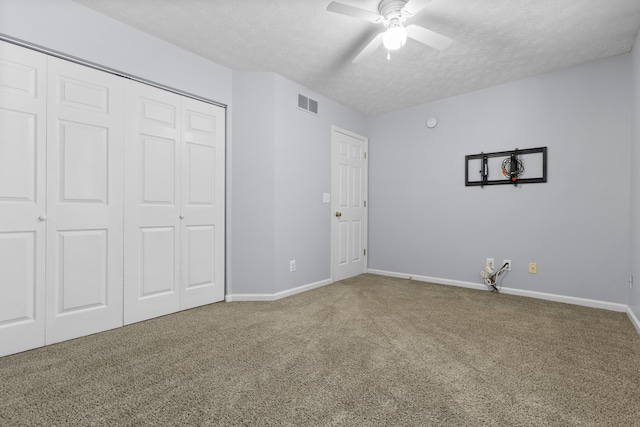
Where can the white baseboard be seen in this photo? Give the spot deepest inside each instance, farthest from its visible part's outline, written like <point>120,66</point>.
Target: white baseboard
<point>605,305</point>
<point>428,279</point>
<point>634,319</point>
<point>277,295</point>
<point>511,291</point>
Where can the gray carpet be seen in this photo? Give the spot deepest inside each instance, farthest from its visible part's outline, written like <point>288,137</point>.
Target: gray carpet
<point>366,351</point>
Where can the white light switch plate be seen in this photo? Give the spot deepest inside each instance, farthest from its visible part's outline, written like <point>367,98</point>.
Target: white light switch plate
<point>326,197</point>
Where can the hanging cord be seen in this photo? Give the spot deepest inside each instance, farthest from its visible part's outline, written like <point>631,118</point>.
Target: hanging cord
<point>490,277</point>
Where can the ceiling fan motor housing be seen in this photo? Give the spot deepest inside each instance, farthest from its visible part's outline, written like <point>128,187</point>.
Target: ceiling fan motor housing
<point>392,11</point>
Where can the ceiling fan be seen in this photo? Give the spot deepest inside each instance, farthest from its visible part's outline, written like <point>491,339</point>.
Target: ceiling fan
<point>393,14</point>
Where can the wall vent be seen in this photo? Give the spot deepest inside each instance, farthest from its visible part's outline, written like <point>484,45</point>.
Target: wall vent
<point>307,104</point>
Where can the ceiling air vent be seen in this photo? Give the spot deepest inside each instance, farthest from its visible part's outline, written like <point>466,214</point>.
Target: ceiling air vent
<point>307,104</point>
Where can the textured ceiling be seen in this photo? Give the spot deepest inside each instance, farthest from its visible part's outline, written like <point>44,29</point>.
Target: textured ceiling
<point>495,41</point>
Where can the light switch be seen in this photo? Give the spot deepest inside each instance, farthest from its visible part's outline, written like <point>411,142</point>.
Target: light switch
<point>326,197</point>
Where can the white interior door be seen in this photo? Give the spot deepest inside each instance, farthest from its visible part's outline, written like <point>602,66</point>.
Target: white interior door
<point>152,203</point>
<point>203,158</point>
<point>84,201</point>
<point>349,206</point>
<point>22,198</point>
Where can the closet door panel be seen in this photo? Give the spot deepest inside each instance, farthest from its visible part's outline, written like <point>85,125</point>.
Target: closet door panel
<point>152,204</point>
<point>84,160</point>
<point>203,203</point>
<point>85,201</point>
<point>22,198</point>
<point>157,262</point>
<point>199,254</point>
<point>82,270</point>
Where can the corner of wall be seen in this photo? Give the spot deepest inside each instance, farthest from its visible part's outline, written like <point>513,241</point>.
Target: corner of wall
<point>634,250</point>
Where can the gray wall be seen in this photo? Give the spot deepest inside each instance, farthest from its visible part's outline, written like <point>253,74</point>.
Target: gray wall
<point>75,30</point>
<point>424,221</point>
<point>634,294</point>
<point>282,161</point>
<point>303,174</point>
<point>251,241</point>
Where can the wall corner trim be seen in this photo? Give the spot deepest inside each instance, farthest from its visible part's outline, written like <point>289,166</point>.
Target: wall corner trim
<point>277,295</point>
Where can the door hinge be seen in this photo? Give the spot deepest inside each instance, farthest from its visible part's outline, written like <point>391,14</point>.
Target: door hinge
<point>365,203</point>
<point>365,155</point>
<point>365,252</point>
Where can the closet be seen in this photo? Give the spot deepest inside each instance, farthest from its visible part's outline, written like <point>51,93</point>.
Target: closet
<point>111,200</point>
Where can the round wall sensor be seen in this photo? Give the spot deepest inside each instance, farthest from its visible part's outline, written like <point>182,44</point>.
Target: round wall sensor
<point>432,122</point>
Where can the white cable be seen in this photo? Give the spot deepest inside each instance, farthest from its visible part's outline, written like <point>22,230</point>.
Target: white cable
<point>486,274</point>
<point>491,278</point>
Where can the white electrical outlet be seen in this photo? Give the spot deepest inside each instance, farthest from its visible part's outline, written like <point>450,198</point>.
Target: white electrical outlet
<point>491,263</point>
<point>292,266</point>
<point>507,261</point>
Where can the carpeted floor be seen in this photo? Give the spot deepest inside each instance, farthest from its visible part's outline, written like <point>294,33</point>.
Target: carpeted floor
<point>367,351</point>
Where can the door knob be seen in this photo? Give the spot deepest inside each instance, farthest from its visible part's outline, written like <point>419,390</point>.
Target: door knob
<point>42,217</point>
<point>338,214</point>
<point>181,216</point>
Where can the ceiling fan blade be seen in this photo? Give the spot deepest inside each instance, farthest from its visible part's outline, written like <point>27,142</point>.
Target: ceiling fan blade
<point>428,37</point>
<point>355,12</point>
<point>369,49</point>
<point>414,6</point>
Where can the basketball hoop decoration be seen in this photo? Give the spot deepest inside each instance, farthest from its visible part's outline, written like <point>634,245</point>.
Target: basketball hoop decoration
<point>512,167</point>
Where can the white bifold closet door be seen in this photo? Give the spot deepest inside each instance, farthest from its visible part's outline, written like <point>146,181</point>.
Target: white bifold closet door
<point>111,201</point>
<point>22,198</point>
<point>84,256</point>
<point>202,203</point>
<point>174,203</point>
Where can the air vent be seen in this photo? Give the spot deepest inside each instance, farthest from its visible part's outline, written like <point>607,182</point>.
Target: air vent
<point>307,104</point>
<point>313,106</point>
<point>303,102</point>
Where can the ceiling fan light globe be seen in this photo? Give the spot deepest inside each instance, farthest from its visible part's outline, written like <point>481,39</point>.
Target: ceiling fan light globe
<point>394,38</point>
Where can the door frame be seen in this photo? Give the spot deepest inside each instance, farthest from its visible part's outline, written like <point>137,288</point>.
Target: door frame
<point>334,131</point>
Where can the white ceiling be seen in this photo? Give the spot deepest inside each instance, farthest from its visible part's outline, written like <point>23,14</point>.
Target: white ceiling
<point>495,41</point>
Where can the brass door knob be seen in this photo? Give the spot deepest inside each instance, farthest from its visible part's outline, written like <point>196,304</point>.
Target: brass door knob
<point>338,214</point>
